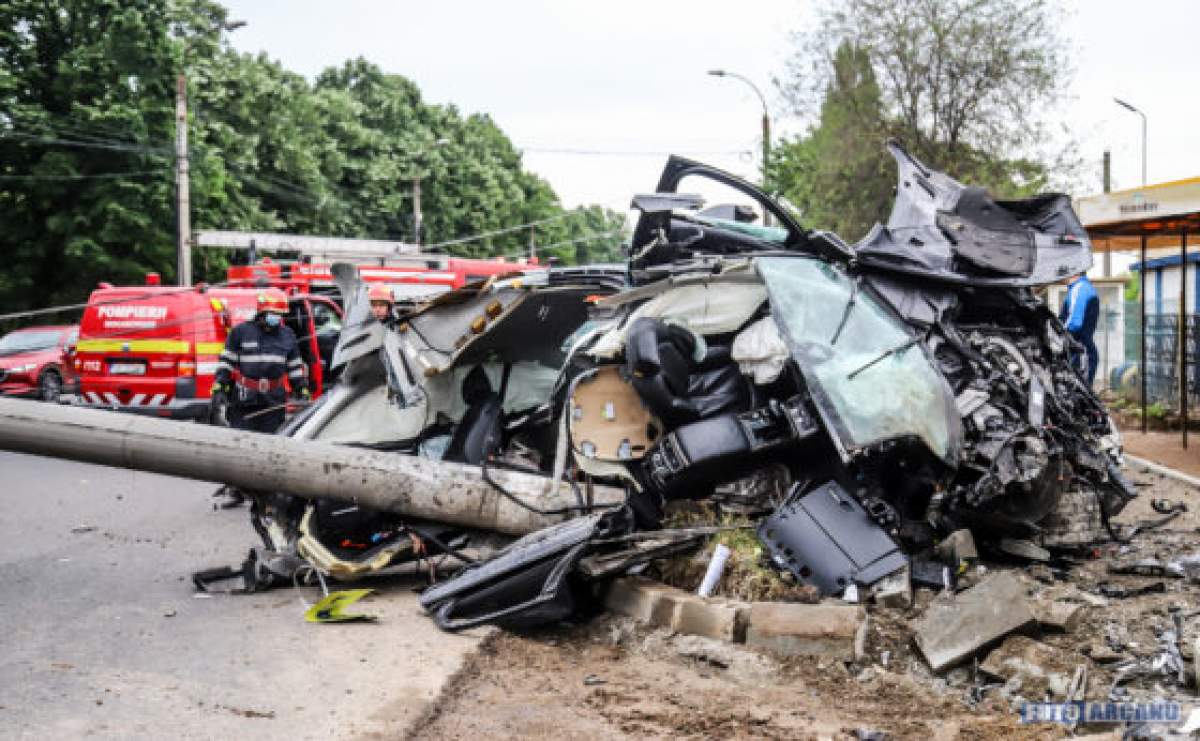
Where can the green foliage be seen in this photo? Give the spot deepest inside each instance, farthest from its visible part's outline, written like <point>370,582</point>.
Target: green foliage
<point>87,192</point>
<point>962,84</point>
<point>839,175</point>
<point>1133,289</point>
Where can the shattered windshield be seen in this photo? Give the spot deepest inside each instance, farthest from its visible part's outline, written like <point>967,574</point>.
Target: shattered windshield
<point>865,369</point>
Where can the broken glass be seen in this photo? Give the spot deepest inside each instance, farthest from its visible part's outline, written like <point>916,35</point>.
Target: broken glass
<point>876,383</point>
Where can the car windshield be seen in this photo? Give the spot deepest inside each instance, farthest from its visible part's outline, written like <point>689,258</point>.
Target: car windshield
<point>875,382</point>
<point>29,341</point>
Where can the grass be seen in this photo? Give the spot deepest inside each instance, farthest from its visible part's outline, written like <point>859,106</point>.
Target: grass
<point>747,575</point>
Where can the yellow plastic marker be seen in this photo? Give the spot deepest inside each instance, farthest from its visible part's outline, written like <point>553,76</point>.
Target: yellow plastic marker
<point>329,609</point>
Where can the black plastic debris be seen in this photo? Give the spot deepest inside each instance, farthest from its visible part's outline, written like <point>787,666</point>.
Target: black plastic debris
<point>526,584</point>
<point>825,538</point>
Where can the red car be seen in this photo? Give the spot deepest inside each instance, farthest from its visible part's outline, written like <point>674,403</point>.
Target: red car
<point>36,362</point>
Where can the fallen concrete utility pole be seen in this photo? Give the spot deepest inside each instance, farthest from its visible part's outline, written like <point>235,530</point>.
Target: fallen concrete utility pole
<point>452,493</point>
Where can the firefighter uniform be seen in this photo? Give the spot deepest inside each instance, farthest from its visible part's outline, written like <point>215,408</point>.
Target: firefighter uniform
<point>256,360</point>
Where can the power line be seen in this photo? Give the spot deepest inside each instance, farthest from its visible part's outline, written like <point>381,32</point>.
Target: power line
<point>93,176</point>
<point>110,144</point>
<point>631,152</point>
<point>498,232</point>
<point>564,243</point>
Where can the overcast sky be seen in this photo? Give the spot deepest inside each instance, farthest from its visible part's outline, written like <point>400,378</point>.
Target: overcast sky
<point>566,80</point>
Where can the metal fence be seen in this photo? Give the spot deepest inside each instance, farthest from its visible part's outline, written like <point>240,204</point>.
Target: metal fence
<point>1162,354</point>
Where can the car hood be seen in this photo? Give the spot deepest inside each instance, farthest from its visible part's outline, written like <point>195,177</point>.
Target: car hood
<point>946,231</point>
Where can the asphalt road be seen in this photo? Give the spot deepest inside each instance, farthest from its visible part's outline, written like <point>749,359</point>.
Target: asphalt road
<point>103,635</point>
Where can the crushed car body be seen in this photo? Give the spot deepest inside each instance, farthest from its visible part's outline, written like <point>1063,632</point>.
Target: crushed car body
<point>861,401</point>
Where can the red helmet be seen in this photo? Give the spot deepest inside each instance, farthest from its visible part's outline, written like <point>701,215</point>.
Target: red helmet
<point>380,293</point>
<point>272,299</point>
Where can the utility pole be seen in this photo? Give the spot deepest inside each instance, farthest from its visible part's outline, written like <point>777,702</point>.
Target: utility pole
<point>532,243</point>
<point>416,198</point>
<point>1108,189</point>
<point>183,240</point>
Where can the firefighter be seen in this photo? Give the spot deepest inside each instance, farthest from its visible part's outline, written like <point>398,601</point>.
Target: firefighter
<point>261,358</point>
<point>382,303</point>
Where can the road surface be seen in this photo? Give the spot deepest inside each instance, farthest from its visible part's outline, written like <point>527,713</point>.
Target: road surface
<point>103,635</point>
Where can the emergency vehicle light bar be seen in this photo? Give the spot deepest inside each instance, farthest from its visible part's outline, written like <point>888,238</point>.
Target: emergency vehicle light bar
<point>304,244</point>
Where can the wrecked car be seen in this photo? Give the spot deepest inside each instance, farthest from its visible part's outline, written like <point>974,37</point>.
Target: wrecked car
<point>863,401</point>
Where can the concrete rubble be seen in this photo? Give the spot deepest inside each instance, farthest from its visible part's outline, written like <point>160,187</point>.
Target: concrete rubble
<point>961,626</point>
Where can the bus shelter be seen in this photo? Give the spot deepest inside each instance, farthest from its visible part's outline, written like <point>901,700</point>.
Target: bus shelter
<point>1154,225</point>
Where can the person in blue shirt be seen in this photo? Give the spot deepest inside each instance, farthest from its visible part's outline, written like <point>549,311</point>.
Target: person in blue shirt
<point>1079,314</point>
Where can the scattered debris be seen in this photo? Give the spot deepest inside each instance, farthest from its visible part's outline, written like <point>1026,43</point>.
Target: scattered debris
<point>1057,615</point>
<point>1030,668</point>
<point>1117,591</point>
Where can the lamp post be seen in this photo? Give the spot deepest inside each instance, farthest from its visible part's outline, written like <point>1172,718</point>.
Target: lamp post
<point>416,192</point>
<point>183,207</point>
<point>1127,106</point>
<point>766,118</point>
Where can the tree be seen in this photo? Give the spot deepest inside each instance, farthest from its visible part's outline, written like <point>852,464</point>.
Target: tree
<point>87,131</point>
<point>839,174</point>
<point>966,85</point>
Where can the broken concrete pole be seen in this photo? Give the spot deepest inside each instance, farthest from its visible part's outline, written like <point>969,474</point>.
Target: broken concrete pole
<point>789,629</point>
<point>957,629</point>
<point>407,485</point>
<point>1060,616</point>
<point>1034,667</point>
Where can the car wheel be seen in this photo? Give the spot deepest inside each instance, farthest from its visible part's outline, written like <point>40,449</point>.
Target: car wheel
<point>50,386</point>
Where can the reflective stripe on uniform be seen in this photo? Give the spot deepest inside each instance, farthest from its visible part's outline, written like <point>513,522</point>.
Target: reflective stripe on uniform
<point>263,358</point>
<point>295,363</point>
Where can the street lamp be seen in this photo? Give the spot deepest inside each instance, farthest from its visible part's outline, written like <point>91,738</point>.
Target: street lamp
<point>183,208</point>
<point>766,119</point>
<point>1127,106</point>
<point>416,191</point>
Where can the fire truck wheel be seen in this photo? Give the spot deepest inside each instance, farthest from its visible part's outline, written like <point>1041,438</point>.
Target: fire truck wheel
<point>49,385</point>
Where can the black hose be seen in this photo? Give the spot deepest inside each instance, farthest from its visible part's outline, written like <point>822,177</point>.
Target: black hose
<point>525,505</point>
<point>440,544</point>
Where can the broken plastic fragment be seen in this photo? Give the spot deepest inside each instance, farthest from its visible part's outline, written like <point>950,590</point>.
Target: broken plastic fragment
<point>329,609</point>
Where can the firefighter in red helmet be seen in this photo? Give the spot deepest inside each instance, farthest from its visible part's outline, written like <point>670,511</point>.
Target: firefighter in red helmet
<point>382,303</point>
<point>260,362</point>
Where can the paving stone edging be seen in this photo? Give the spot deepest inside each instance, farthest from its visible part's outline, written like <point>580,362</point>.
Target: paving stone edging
<point>830,629</point>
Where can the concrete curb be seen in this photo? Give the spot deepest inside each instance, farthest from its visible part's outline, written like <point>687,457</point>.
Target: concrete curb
<point>1170,473</point>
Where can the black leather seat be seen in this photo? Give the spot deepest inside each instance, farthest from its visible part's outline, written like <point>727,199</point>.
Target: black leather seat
<point>676,388</point>
<point>478,433</point>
